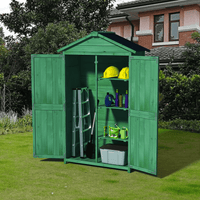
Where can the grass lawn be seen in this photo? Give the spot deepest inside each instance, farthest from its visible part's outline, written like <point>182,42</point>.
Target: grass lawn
<point>25,177</point>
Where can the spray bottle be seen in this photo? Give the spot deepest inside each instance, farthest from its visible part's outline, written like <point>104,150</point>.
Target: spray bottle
<point>117,99</point>
<point>126,99</point>
<point>120,100</point>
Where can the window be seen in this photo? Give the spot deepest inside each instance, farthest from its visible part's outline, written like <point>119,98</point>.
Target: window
<point>174,20</point>
<point>158,28</point>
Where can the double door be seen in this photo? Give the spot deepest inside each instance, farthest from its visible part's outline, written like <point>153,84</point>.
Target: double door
<point>49,110</point>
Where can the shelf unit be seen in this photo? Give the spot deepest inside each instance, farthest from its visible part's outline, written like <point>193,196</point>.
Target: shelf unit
<point>100,137</point>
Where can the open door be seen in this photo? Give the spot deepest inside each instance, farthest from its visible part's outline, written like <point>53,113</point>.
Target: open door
<point>143,113</point>
<point>48,105</point>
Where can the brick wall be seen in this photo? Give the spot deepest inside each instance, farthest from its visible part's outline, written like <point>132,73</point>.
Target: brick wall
<point>185,37</point>
<point>145,41</point>
<point>146,22</point>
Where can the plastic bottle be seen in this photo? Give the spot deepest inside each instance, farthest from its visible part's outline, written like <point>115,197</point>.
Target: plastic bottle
<point>108,100</point>
<point>117,99</point>
<point>126,99</point>
<point>120,100</point>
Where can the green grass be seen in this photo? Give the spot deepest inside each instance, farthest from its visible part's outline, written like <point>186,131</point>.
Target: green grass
<point>25,177</point>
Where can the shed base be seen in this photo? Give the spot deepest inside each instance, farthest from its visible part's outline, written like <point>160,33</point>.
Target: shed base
<point>88,161</point>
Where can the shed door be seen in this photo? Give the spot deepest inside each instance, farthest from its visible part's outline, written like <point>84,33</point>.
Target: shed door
<point>143,115</point>
<point>48,105</point>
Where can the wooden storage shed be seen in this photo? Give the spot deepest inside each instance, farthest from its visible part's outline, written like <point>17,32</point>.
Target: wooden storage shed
<point>82,64</point>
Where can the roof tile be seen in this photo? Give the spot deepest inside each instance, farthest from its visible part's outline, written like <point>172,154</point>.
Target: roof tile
<point>165,53</point>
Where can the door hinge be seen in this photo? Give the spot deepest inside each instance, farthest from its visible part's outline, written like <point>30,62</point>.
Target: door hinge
<point>64,106</point>
<point>62,156</point>
<point>129,112</point>
<point>62,56</point>
<point>35,155</point>
<point>156,60</point>
<point>32,56</point>
<point>131,57</point>
<point>33,107</point>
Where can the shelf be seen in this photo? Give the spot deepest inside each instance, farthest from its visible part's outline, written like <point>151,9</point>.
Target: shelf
<point>113,79</point>
<point>113,107</point>
<point>109,138</point>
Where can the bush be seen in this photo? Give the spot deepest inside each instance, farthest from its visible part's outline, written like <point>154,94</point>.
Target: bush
<point>9,123</point>
<point>181,97</point>
<point>179,124</point>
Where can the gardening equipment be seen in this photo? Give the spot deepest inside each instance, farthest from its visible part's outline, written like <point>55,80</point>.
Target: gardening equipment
<point>105,128</point>
<point>126,99</point>
<point>120,100</point>
<point>123,133</point>
<point>117,99</point>
<point>124,73</point>
<point>82,121</point>
<point>110,72</point>
<point>109,99</point>
<point>90,148</point>
<point>114,132</point>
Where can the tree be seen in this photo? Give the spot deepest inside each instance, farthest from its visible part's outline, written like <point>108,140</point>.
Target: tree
<point>192,57</point>
<point>51,39</point>
<point>25,19</point>
<point>1,36</point>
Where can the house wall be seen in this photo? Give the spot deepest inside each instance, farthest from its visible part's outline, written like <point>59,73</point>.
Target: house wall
<point>144,28</point>
<point>124,28</point>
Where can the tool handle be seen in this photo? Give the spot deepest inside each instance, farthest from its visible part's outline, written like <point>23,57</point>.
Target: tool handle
<point>93,124</point>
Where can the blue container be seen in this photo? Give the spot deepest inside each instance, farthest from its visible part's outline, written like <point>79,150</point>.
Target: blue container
<point>108,100</point>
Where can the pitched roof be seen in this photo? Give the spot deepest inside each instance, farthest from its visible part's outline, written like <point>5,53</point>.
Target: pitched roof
<point>124,41</point>
<point>117,13</point>
<point>110,37</point>
<point>165,53</point>
<point>140,3</point>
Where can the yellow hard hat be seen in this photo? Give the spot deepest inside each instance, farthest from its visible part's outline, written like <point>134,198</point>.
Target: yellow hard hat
<point>124,73</point>
<point>111,71</point>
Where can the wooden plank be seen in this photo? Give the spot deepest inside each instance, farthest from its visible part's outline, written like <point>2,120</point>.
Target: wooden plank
<point>97,53</point>
<point>49,91</point>
<point>143,119</point>
<point>98,48</point>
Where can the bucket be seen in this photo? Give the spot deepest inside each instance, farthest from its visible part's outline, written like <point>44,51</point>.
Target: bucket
<point>114,132</point>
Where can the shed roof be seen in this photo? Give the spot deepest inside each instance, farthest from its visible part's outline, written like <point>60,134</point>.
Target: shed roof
<point>110,37</point>
<point>124,41</point>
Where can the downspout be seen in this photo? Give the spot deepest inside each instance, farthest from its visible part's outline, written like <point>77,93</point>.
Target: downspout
<point>132,28</point>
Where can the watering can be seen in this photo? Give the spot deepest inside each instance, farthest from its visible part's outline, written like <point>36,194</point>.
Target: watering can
<point>123,133</point>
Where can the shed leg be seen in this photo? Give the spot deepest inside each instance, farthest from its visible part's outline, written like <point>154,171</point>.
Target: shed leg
<point>129,170</point>
<point>65,161</point>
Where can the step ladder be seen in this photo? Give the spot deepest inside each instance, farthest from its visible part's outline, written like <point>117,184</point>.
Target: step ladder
<point>81,105</point>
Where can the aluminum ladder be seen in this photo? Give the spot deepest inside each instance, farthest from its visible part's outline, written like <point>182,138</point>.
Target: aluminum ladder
<point>84,125</point>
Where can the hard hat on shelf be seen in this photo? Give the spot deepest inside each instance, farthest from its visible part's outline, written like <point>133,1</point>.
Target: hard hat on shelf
<point>124,73</point>
<point>110,72</point>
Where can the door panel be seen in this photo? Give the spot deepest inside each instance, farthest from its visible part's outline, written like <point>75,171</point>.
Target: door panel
<point>143,114</point>
<point>48,100</point>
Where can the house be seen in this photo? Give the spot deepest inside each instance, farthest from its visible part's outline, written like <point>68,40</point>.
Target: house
<point>163,26</point>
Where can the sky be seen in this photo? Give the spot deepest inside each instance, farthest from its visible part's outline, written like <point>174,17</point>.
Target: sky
<point>4,8</point>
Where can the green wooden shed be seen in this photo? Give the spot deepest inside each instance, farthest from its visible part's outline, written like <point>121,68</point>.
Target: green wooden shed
<point>81,64</point>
